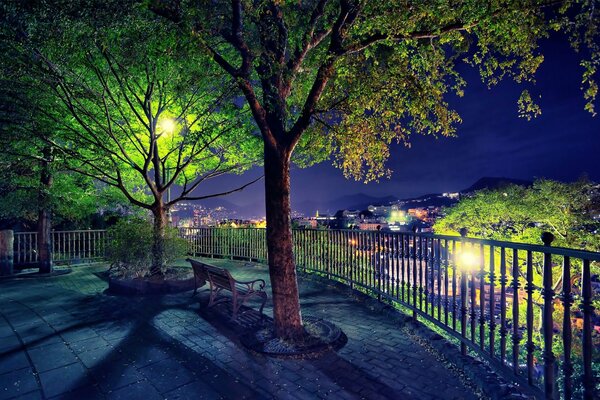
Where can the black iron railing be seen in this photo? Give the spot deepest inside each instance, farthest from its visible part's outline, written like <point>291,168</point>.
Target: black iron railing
<point>526,309</point>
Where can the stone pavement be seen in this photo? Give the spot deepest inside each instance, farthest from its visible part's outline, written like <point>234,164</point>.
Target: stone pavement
<point>64,338</point>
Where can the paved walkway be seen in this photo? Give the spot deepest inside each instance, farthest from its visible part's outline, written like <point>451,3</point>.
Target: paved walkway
<point>62,337</point>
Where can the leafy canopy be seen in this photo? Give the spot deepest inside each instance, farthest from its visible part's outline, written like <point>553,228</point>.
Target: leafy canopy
<point>132,106</point>
<point>350,77</point>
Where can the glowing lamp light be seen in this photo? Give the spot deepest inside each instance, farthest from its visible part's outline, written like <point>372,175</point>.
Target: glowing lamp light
<point>468,261</point>
<point>167,126</point>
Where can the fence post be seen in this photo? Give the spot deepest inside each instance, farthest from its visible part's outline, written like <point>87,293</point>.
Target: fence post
<point>547,321</point>
<point>414,260</point>
<point>588,312</point>
<point>6,252</point>
<point>463,298</point>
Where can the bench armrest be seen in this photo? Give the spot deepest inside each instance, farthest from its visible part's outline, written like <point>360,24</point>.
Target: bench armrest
<point>250,284</point>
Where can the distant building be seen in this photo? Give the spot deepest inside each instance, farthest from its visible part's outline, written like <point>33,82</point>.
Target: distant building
<point>305,223</point>
<point>372,226</point>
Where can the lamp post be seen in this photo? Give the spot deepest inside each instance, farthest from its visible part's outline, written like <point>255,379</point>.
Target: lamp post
<point>167,127</point>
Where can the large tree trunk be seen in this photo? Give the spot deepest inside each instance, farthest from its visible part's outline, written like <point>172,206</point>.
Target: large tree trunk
<point>158,239</point>
<point>282,270</point>
<point>44,222</point>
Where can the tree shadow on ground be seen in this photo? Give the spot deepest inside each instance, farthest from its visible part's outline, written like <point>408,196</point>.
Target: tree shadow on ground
<point>140,353</point>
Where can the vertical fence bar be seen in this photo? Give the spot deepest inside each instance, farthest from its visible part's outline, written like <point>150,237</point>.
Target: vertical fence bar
<point>567,335</point>
<point>503,281</point>
<point>402,256</point>
<point>454,288</point>
<point>439,278</point>
<point>481,276</point>
<point>424,281</point>
<point>516,337</point>
<point>588,310</point>
<point>414,260</point>
<point>446,270</point>
<point>378,263</point>
<point>492,301</point>
<point>473,313</point>
<point>463,307</point>
<point>547,322</point>
<point>530,346</point>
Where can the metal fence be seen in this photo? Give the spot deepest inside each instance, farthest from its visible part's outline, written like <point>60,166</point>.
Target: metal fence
<point>526,309</point>
<point>67,246</point>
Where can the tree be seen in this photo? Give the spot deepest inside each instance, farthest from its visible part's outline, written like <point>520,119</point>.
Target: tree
<point>356,75</point>
<point>35,185</point>
<point>521,214</point>
<point>132,107</point>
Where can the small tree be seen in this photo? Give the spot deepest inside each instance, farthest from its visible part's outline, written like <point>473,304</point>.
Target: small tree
<point>133,108</point>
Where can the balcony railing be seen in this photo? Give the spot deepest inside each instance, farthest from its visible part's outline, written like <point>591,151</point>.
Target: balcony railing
<point>526,309</point>
<point>67,246</point>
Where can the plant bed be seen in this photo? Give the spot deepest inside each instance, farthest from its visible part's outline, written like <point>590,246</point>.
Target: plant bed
<point>174,280</point>
<point>321,336</point>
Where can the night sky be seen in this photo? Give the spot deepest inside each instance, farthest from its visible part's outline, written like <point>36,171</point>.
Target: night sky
<point>563,144</point>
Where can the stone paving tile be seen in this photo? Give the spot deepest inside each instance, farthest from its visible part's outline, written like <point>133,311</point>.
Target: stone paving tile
<point>9,344</point>
<point>197,390</point>
<point>17,382</point>
<point>89,392</point>
<point>167,375</point>
<point>138,391</point>
<point>13,361</point>
<point>64,379</point>
<point>89,345</point>
<point>51,356</point>
<point>113,376</point>
<point>106,354</point>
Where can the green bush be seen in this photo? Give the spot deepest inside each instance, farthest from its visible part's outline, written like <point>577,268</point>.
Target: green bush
<point>129,247</point>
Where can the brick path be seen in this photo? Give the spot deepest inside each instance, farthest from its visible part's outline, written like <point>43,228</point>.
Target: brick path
<point>63,338</point>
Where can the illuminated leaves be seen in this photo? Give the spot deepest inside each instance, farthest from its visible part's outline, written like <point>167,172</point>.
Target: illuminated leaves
<point>521,214</point>
<point>527,108</point>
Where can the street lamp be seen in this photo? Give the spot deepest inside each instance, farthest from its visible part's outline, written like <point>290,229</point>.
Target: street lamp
<point>167,127</point>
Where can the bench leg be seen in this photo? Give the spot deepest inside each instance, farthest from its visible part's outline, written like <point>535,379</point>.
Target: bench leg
<point>235,306</point>
<point>264,301</point>
<point>213,295</point>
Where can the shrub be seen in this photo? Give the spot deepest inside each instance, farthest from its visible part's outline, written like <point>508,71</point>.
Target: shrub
<point>129,247</point>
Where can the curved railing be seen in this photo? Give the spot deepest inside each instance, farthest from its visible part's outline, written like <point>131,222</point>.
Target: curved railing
<point>526,309</point>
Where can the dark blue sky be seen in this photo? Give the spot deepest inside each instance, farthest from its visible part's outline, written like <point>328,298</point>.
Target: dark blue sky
<point>563,143</point>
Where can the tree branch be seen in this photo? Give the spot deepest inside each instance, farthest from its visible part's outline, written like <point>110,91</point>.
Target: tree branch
<point>216,194</point>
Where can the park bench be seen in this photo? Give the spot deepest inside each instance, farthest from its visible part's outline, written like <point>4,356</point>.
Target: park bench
<point>220,279</point>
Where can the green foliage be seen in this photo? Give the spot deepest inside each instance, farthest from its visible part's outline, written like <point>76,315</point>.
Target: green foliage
<point>129,246</point>
<point>521,214</point>
<point>110,88</point>
<point>386,67</point>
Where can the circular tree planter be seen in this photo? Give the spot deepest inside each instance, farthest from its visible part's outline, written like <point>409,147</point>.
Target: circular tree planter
<point>149,286</point>
<point>321,336</point>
